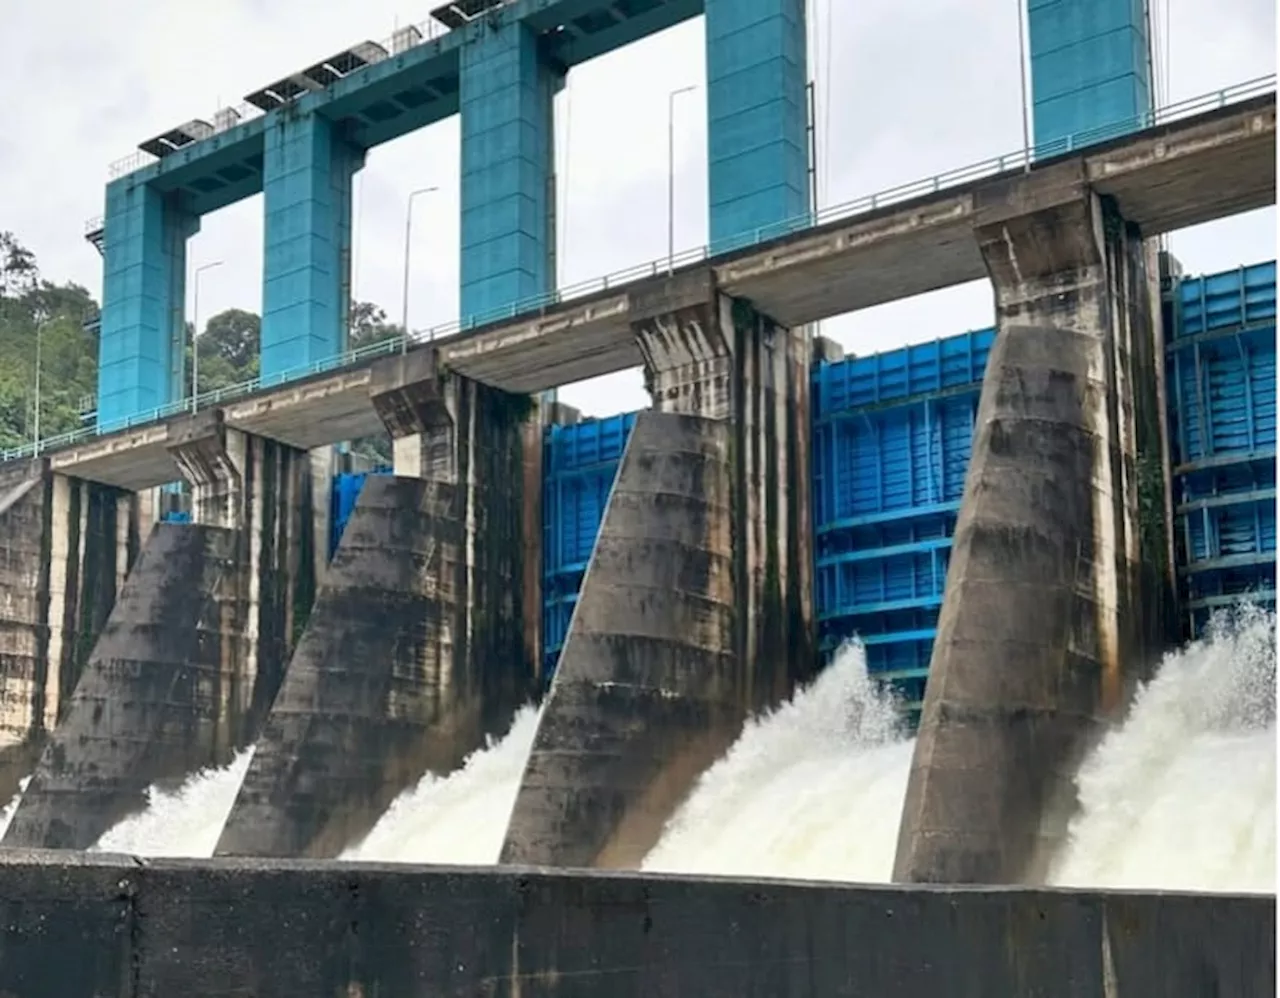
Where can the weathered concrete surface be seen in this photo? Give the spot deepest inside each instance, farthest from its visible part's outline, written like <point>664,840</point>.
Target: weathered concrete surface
<point>191,658</point>
<point>65,547</point>
<point>1057,586</point>
<point>1181,173</point>
<point>716,357</point>
<point>647,692</point>
<point>696,608</point>
<point>297,930</point>
<point>160,697</point>
<point>417,648</point>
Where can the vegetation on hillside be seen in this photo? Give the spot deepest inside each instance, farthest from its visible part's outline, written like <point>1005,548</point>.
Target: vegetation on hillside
<point>68,351</point>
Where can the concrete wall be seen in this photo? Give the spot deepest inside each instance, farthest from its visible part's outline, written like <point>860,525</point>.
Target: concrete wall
<point>1057,590</point>
<point>417,648</point>
<point>695,610</point>
<point>646,694</point>
<point>124,927</point>
<point>195,648</point>
<point>65,547</point>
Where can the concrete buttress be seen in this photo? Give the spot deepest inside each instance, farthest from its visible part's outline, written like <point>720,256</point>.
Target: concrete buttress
<point>695,610</point>
<point>417,648</point>
<point>1056,593</point>
<point>65,548</point>
<point>193,652</point>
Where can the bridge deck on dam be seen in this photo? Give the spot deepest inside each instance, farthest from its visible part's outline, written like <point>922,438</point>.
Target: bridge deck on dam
<point>292,928</point>
<point>1173,175</point>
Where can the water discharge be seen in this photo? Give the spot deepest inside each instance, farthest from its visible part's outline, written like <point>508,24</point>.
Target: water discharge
<point>6,813</point>
<point>182,822</point>
<point>459,818</point>
<point>813,789</point>
<point>1181,795</point>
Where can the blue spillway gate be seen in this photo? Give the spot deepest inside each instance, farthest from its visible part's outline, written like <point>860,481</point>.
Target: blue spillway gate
<point>579,463</point>
<point>891,441</point>
<point>1221,364</point>
<point>343,493</point>
<point>891,438</point>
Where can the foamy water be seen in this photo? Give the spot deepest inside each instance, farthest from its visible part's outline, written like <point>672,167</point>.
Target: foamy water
<point>1183,795</point>
<point>7,812</point>
<point>813,789</point>
<point>183,822</point>
<point>460,818</point>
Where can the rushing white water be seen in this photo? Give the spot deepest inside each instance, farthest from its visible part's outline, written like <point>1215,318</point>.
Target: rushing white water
<point>813,789</point>
<point>460,818</point>
<point>6,813</point>
<point>183,822</point>
<point>1183,795</point>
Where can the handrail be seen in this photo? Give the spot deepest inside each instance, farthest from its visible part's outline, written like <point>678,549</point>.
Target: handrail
<point>905,192</point>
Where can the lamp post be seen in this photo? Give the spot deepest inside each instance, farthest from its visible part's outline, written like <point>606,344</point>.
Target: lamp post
<point>408,232</point>
<point>195,331</point>
<point>1022,83</point>
<point>35,434</point>
<point>671,172</point>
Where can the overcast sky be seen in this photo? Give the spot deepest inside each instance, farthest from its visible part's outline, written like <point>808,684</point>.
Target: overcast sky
<point>921,87</point>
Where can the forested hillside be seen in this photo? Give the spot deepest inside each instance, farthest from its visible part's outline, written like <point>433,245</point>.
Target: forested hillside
<point>68,351</point>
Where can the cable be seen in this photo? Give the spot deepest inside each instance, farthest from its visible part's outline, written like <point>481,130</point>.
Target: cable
<point>824,182</point>
<point>562,209</point>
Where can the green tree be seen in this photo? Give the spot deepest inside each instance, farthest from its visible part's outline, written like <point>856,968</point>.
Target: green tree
<point>18,271</point>
<point>368,325</point>
<point>235,336</point>
<point>32,309</point>
<point>38,317</point>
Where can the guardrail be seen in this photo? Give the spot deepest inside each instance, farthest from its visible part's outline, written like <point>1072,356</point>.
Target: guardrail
<point>1022,158</point>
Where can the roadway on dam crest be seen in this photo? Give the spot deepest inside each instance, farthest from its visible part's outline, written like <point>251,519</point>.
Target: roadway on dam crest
<point>1173,175</point>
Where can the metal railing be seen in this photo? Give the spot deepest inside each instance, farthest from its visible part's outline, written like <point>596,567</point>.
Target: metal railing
<point>905,192</point>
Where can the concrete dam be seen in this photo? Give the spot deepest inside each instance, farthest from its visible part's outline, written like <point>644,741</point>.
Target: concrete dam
<point>645,646</point>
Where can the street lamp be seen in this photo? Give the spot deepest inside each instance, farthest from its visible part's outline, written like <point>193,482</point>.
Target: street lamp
<point>408,231</point>
<point>35,435</point>
<point>1022,83</point>
<point>671,171</point>
<point>195,332</point>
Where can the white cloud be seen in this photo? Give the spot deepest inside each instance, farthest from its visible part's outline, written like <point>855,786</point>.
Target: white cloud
<point>918,89</point>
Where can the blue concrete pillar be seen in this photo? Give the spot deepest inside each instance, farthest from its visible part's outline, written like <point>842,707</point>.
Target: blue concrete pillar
<point>1090,70</point>
<point>757,117</point>
<point>508,169</point>
<point>306,267</point>
<point>140,345</point>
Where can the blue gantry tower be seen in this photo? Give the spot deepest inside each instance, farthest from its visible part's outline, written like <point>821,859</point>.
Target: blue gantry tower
<point>1090,67</point>
<point>497,63</point>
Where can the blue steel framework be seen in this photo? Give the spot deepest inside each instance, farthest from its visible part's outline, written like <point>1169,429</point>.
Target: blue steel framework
<point>891,437</point>
<point>499,69</point>
<point>891,440</point>
<point>1221,363</point>
<point>881,199</point>
<point>579,464</point>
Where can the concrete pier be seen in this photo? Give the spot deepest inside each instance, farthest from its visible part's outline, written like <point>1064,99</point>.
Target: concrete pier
<point>119,926</point>
<point>66,548</point>
<point>695,610</point>
<point>194,650</point>
<point>417,648</point>
<point>1057,582</point>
